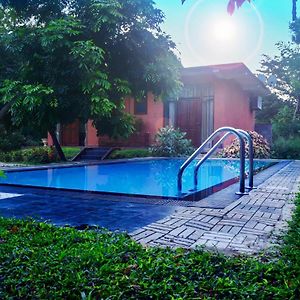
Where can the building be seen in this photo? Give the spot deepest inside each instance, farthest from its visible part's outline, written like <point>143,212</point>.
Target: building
<point>212,97</point>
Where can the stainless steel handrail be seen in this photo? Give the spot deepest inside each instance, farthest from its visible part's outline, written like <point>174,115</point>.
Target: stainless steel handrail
<point>206,156</point>
<point>251,156</point>
<point>212,136</point>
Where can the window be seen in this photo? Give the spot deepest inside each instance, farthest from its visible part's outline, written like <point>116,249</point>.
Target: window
<point>196,91</point>
<point>140,106</point>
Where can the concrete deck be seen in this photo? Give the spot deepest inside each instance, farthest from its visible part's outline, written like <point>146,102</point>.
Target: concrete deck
<point>244,226</point>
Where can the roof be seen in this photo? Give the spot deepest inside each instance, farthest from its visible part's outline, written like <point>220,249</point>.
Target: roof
<point>237,72</point>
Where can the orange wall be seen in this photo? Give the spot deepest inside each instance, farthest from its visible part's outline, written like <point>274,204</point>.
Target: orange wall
<point>232,107</point>
<point>91,138</point>
<point>69,135</point>
<point>153,120</point>
<point>50,141</point>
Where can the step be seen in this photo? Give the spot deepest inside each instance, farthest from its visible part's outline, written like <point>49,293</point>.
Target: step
<point>92,150</point>
<point>90,157</point>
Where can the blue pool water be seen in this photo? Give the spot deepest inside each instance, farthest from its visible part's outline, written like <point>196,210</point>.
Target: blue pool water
<point>154,177</point>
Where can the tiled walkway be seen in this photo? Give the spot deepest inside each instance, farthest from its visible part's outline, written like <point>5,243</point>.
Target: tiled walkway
<point>245,226</point>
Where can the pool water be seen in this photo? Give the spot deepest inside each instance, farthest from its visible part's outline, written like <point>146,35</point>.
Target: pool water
<point>152,177</point>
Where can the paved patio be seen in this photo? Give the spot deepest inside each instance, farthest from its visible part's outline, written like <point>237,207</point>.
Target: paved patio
<point>245,226</point>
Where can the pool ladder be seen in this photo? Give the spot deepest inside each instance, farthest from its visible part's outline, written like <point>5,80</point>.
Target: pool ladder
<point>241,135</point>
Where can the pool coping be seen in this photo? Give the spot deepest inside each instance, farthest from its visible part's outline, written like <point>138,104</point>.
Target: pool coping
<point>187,196</point>
<point>189,200</point>
<point>111,161</point>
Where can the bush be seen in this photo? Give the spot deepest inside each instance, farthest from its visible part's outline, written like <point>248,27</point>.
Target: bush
<point>286,148</point>
<point>284,125</point>
<point>30,155</point>
<point>260,145</point>
<point>171,142</point>
<point>11,141</point>
<point>15,139</point>
<point>130,153</point>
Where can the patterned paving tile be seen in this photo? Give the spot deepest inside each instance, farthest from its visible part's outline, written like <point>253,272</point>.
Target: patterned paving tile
<point>244,226</point>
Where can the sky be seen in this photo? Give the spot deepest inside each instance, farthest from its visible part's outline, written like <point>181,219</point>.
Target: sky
<point>205,34</point>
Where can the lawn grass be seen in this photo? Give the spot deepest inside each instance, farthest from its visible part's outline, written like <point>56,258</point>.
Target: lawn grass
<point>130,153</point>
<point>40,261</point>
<point>70,152</point>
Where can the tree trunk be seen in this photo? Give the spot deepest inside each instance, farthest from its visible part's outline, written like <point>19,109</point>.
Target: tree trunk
<point>297,109</point>
<point>5,109</point>
<point>294,10</point>
<point>57,145</point>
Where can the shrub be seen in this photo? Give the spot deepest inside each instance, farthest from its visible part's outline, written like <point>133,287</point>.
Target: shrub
<point>285,125</point>
<point>15,139</point>
<point>39,155</point>
<point>171,142</point>
<point>30,155</point>
<point>10,141</point>
<point>260,145</point>
<point>130,153</point>
<point>286,148</point>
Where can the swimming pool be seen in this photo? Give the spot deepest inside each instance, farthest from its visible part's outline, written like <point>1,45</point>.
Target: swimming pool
<point>146,178</point>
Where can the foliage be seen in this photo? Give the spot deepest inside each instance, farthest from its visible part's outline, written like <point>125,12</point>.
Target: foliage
<point>129,153</point>
<point>295,28</point>
<point>284,125</point>
<point>232,4</point>
<point>10,140</point>
<point>286,148</point>
<point>271,106</point>
<point>291,247</point>
<point>286,122</point>
<point>260,146</point>
<point>67,60</point>
<point>30,155</point>
<point>13,139</point>
<point>171,142</point>
<point>41,261</point>
<point>286,68</point>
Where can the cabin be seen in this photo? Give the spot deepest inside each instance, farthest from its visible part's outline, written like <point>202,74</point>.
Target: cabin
<point>212,96</point>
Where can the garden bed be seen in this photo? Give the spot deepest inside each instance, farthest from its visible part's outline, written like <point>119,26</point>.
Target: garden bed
<point>38,260</point>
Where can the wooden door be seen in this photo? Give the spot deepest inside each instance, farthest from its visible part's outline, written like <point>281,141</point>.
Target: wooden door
<point>70,134</point>
<point>188,119</point>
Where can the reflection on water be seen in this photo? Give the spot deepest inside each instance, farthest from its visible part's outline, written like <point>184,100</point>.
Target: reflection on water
<point>157,177</point>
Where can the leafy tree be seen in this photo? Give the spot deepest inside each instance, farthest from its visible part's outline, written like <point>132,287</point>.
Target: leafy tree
<point>294,10</point>
<point>271,106</point>
<point>67,60</point>
<point>286,68</point>
<point>284,125</point>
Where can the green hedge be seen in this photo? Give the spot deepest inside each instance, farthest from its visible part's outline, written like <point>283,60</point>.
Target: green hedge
<point>30,155</point>
<point>39,261</point>
<point>286,148</point>
<point>129,153</point>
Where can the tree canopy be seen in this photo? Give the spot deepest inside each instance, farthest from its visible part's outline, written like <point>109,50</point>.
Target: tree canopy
<point>286,68</point>
<point>63,60</point>
<point>283,107</point>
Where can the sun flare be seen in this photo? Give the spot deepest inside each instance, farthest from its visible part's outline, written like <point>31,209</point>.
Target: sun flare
<point>224,29</point>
